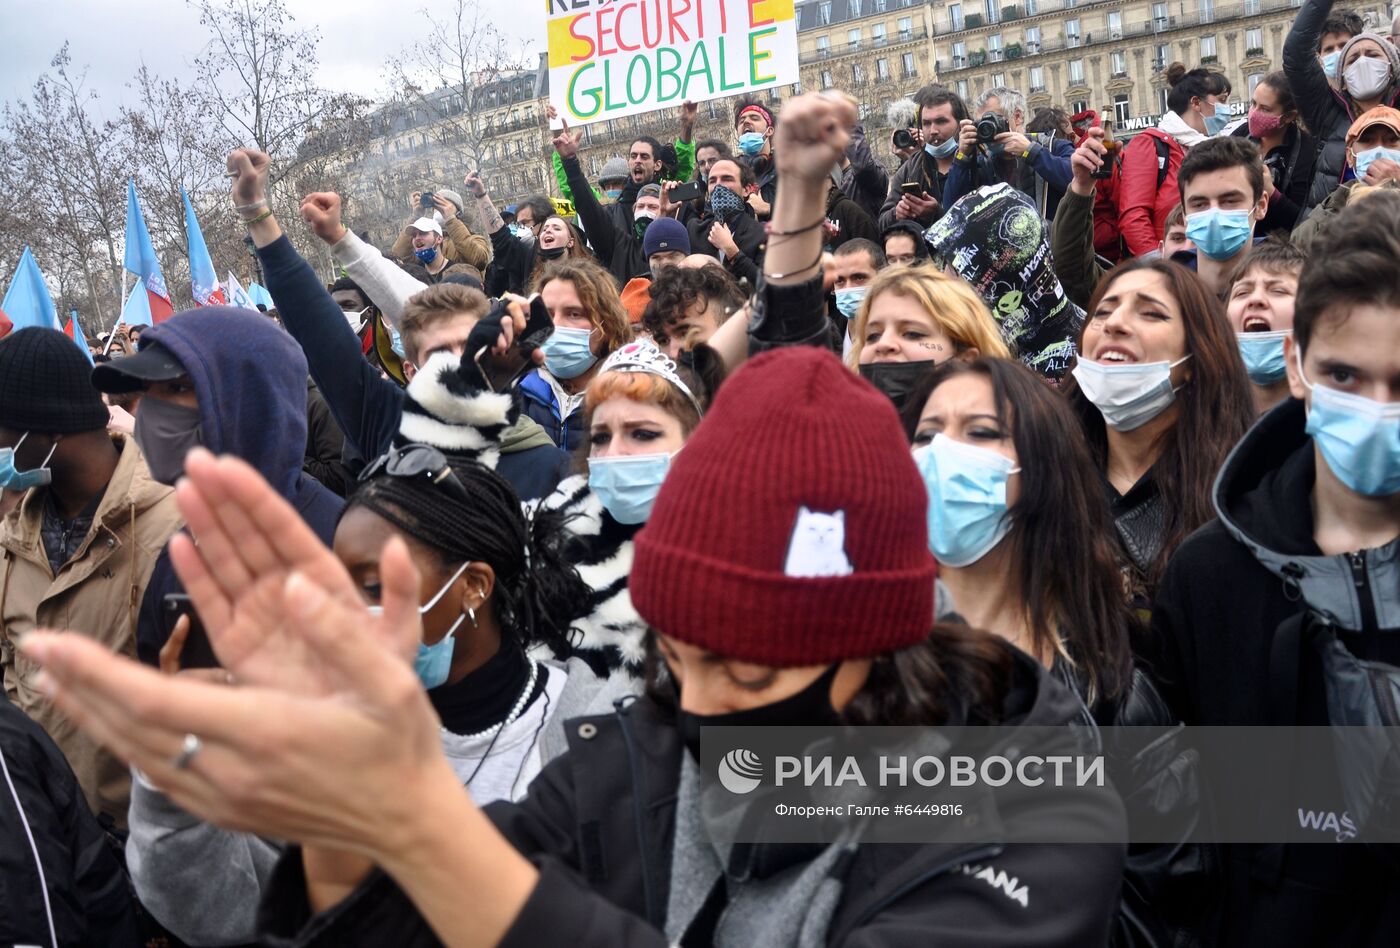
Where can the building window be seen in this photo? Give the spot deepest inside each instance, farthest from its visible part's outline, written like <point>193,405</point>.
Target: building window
<point>1115,26</point>
<point>1162,99</point>
<point>1207,9</point>
<point>955,17</point>
<point>1251,7</point>
<point>880,6</point>
<point>877,34</point>
<point>906,27</point>
<point>1037,79</point>
<point>1071,34</point>
<point>1071,3</point>
<point>1121,110</point>
<point>1207,48</point>
<point>999,80</point>
<point>994,47</point>
<point>962,89</point>
<point>826,79</point>
<point>993,8</point>
<point>1159,59</point>
<point>907,65</point>
<point>882,70</point>
<point>855,9</point>
<point>1076,72</point>
<point>853,38</point>
<point>857,74</point>
<point>1032,39</point>
<point>1160,19</point>
<point>1032,7</point>
<point>1254,79</point>
<point>959,55</point>
<point>1078,105</point>
<point>1120,64</point>
<point>1254,40</point>
<point>823,46</point>
<point>824,12</point>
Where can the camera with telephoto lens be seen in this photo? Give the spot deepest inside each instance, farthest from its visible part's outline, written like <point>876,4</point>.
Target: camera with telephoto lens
<point>425,200</point>
<point>989,126</point>
<point>902,138</point>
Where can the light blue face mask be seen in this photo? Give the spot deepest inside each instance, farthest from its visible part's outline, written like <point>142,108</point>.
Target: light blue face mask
<point>1217,233</point>
<point>967,514</point>
<point>751,143</point>
<point>567,353</point>
<point>945,150</point>
<point>1365,158</point>
<point>1263,355</point>
<point>848,300</point>
<point>433,662</point>
<point>1359,438</point>
<point>628,486</point>
<point>12,478</point>
<point>1216,122</point>
<point>1331,64</point>
<point>613,193</point>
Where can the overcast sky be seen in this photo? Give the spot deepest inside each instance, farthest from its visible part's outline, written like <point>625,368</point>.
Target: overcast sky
<point>112,38</point>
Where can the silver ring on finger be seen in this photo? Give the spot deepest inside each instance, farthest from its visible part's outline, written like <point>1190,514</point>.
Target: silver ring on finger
<point>191,746</point>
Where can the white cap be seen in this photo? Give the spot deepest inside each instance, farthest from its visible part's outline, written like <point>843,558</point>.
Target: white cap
<point>427,224</point>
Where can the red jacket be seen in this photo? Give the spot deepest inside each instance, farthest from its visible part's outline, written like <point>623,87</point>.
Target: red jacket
<point>1143,206</point>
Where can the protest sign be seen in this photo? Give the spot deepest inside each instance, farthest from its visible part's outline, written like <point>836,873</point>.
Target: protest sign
<point>613,58</point>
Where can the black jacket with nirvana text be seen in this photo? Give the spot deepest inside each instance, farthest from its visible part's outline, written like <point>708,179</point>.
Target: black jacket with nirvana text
<point>599,821</point>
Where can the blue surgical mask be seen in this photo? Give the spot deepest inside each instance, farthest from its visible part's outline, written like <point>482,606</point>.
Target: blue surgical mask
<point>751,143</point>
<point>1217,233</point>
<point>628,486</point>
<point>945,150</point>
<point>613,193</point>
<point>567,354</point>
<point>426,255</point>
<point>1331,64</point>
<point>967,515</point>
<point>1263,355</point>
<point>1216,121</point>
<point>1364,158</point>
<point>433,662</point>
<point>1359,438</point>
<point>12,478</point>
<point>1128,394</point>
<point>848,300</point>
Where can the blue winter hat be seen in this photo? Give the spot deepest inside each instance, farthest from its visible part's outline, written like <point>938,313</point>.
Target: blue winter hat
<point>665,234</point>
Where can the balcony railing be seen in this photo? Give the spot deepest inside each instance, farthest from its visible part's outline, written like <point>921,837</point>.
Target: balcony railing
<point>852,47</point>
<point>1213,14</point>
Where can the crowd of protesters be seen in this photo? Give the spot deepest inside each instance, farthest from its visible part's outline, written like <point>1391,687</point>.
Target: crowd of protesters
<point>394,615</point>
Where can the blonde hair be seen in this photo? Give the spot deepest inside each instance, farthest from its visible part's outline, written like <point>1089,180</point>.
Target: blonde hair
<point>952,305</point>
<point>434,305</point>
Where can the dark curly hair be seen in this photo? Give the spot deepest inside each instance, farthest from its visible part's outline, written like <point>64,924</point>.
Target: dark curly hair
<point>676,289</point>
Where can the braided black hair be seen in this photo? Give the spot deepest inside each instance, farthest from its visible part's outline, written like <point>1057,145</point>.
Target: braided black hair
<point>538,593</point>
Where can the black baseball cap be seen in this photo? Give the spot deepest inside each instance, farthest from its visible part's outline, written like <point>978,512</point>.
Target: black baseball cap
<point>154,363</point>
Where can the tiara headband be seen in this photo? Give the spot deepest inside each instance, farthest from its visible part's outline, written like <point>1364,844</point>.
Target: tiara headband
<point>643,356</point>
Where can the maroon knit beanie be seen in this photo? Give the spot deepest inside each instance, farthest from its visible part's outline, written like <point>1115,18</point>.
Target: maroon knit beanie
<point>791,529</point>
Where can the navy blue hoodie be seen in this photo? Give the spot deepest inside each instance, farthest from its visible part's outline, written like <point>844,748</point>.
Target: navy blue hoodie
<point>250,378</point>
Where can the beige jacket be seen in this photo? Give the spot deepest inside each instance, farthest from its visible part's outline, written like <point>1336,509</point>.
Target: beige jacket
<point>98,592</point>
<point>459,245</point>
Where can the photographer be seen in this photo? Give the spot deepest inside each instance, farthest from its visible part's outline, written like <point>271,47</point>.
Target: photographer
<point>458,243</point>
<point>917,189</point>
<point>903,117</point>
<point>1002,152</point>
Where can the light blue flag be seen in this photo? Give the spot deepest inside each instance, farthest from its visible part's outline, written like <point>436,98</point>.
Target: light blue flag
<point>259,294</point>
<point>137,310</point>
<point>27,301</point>
<point>78,336</point>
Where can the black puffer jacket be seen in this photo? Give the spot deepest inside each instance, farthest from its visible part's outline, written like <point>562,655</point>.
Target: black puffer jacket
<point>1328,112</point>
<point>60,882</point>
<point>598,823</point>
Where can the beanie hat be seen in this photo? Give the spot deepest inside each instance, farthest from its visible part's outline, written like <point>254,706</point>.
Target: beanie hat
<point>46,384</point>
<point>650,190</point>
<point>1391,54</point>
<point>792,528</point>
<point>452,196</point>
<point>665,233</point>
<point>614,169</point>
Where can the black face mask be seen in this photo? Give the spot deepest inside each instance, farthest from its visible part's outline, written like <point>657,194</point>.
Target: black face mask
<point>551,253</point>
<point>896,380</point>
<point>810,706</point>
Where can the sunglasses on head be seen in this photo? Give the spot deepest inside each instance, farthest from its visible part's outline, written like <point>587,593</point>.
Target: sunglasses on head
<point>416,461</point>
